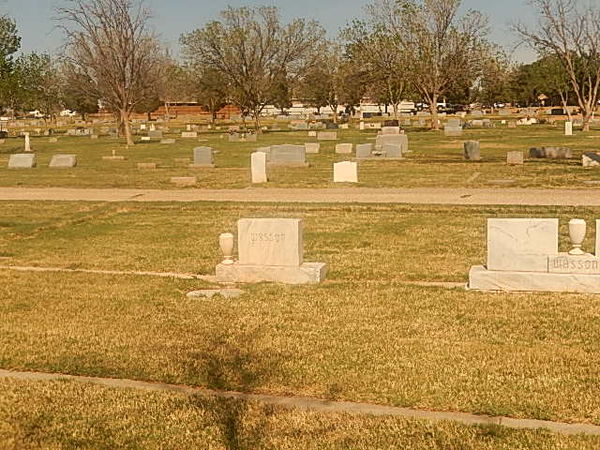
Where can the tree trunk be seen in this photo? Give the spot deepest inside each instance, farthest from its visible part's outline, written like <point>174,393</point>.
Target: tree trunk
<point>395,106</point>
<point>586,121</point>
<point>434,113</point>
<point>257,120</point>
<point>126,127</point>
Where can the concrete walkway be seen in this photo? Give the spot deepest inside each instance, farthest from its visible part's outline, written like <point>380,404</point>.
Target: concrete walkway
<point>442,196</point>
<point>314,404</point>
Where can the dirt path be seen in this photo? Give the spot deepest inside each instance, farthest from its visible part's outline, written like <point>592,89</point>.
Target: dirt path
<point>314,404</point>
<point>450,196</point>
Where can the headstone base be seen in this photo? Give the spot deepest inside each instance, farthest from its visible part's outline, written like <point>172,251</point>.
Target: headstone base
<point>201,166</point>
<point>481,279</point>
<point>287,164</point>
<point>307,273</point>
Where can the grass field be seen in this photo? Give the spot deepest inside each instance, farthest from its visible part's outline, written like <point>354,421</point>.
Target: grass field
<point>435,161</point>
<point>68,415</point>
<point>364,335</point>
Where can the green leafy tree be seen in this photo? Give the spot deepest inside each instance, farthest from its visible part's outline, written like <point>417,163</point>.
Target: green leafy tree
<point>10,42</point>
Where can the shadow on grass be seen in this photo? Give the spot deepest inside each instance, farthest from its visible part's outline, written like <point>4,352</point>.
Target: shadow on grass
<point>233,361</point>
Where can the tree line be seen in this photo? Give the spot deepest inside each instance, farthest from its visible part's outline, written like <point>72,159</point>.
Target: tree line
<point>425,50</point>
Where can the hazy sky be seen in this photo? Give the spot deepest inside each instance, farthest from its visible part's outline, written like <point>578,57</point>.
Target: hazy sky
<point>173,17</point>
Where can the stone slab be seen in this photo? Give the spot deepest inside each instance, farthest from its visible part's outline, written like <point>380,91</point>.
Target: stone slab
<point>345,172</point>
<point>472,151</point>
<point>167,141</point>
<point>22,161</point>
<point>551,152</point>
<point>344,149</point>
<point>515,158</point>
<point>364,151</point>
<point>270,242</point>
<point>114,158</point>
<point>327,136</point>
<point>312,148</point>
<point>590,159</point>
<point>146,166</point>
<point>189,134</point>
<point>306,273</point>
<point>481,279</point>
<point>63,161</point>
<point>258,167</point>
<point>521,244</point>
<point>565,263</point>
<point>203,157</point>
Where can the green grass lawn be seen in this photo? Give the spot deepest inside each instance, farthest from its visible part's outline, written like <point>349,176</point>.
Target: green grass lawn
<point>364,335</point>
<point>69,415</point>
<point>435,161</point>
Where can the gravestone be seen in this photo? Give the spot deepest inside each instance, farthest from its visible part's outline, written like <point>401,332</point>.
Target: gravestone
<point>454,123</point>
<point>167,141</point>
<point>63,161</point>
<point>390,130</point>
<point>452,131</point>
<point>312,133</point>
<point>523,256</point>
<point>392,151</point>
<point>27,143</point>
<point>568,128</point>
<point>203,157</point>
<point>53,140</point>
<point>270,250</point>
<point>22,161</point>
<point>398,139</point>
<point>343,149</point>
<point>287,155</point>
<point>364,151</point>
<point>234,137</point>
<point>345,172</point>
<point>189,134</point>
<point>312,148</point>
<point>590,159</point>
<point>146,138</point>
<point>551,152</point>
<point>514,158</point>
<point>472,151</point>
<point>155,134</point>
<point>327,136</point>
<point>258,165</point>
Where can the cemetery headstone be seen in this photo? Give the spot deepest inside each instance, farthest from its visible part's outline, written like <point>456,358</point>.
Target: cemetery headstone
<point>203,157</point>
<point>472,151</point>
<point>390,130</point>
<point>312,148</point>
<point>392,151</point>
<point>345,172</point>
<point>189,134</point>
<point>268,250</point>
<point>21,161</point>
<point>568,128</point>
<point>327,136</point>
<point>27,143</point>
<point>258,165</point>
<point>515,158</point>
<point>167,141</point>
<point>452,131</point>
<point>364,151</point>
<point>63,161</point>
<point>155,134</point>
<point>590,159</point>
<point>343,148</point>
<point>551,152</point>
<point>288,155</point>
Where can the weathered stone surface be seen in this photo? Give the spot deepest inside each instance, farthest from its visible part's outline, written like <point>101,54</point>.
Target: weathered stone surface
<point>327,136</point>
<point>565,263</point>
<point>258,165</point>
<point>568,128</point>
<point>167,141</point>
<point>399,139</point>
<point>287,155</point>
<point>551,152</point>
<point>307,273</point>
<point>184,181</point>
<point>270,242</point>
<point>203,157</point>
<point>453,131</point>
<point>390,130</point>
<point>515,158</point>
<point>364,151</point>
<point>345,149</point>
<point>189,134</point>
<point>392,151</point>
<point>312,148</point>
<point>345,172</point>
<point>472,151</point>
<point>521,244</point>
<point>63,161</point>
<point>155,134</point>
<point>590,159</point>
<point>22,161</point>
<point>487,280</point>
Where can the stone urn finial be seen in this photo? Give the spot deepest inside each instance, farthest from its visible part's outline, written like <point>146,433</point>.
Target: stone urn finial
<point>577,230</point>
<point>226,244</point>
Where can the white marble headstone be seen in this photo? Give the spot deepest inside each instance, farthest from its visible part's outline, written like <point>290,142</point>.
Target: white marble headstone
<point>258,164</point>
<point>345,172</point>
<point>270,242</point>
<point>521,244</point>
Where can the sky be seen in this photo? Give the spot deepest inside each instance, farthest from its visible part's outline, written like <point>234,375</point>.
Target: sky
<point>171,18</point>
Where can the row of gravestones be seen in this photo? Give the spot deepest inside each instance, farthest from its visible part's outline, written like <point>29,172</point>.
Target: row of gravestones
<point>28,161</point>
<point>472,152</point>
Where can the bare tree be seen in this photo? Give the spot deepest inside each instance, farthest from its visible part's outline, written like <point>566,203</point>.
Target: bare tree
<point>108,42</point>
<point>571,32</point>
<point>440,47</point>
<point>252,50</point>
